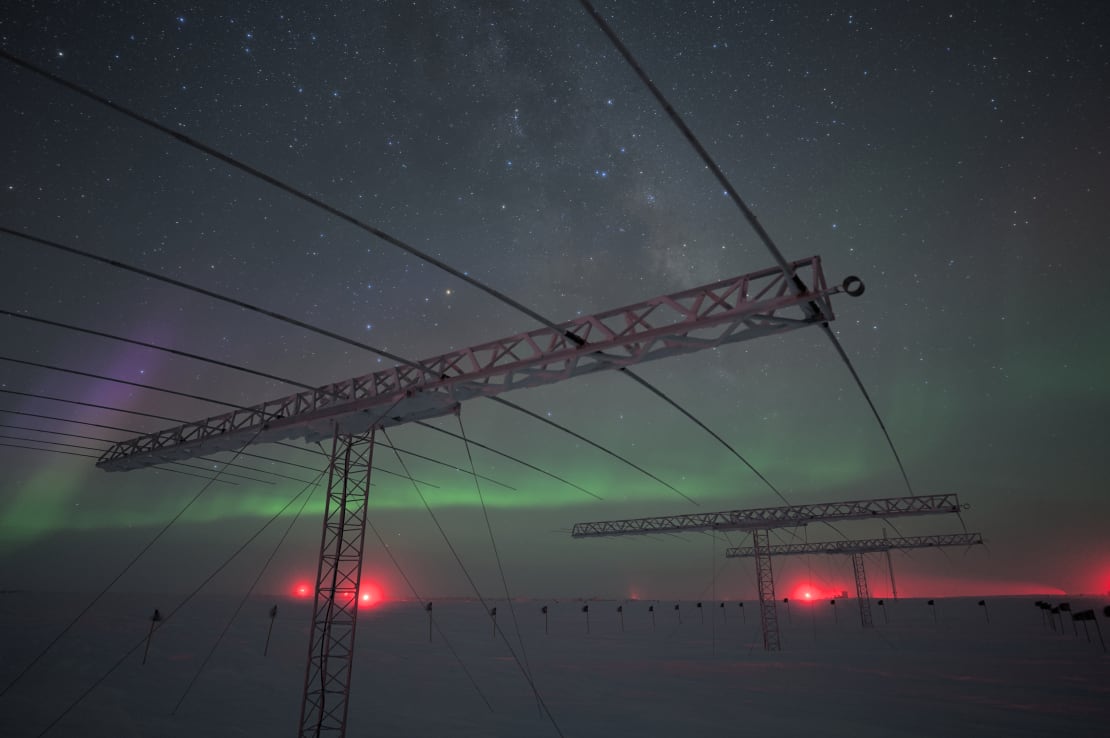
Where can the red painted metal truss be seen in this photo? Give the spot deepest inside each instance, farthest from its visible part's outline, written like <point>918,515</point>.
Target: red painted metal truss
<point>729,311</point>
<point>765,518</point>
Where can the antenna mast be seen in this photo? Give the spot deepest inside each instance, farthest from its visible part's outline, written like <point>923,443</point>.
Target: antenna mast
<point>348,412</point>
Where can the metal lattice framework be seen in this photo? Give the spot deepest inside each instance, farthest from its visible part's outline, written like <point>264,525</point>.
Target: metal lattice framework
<point>862,545</point>
<point>863,592</point>
<point>731,310</point>
<point>765,581</point>
<point>762,303</point>
<point>890,570</point>
<point>327,679</point>
<point>856,549</point>
<point>760,521</point>
<point>765,518</point>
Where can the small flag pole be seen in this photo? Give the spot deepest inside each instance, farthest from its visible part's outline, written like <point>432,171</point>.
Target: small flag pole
<point>1066,607</point>
<point>269,631</point>
<point>154,620</point>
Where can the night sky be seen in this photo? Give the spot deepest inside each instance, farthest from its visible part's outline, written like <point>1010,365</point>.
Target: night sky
<point>952,157</point>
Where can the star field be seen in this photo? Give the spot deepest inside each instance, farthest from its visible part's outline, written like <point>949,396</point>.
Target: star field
<point>952,157</point>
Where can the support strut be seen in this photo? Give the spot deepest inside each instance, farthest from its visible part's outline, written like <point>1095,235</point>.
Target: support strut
<point>890,568</point>
<point>327,680</point>
<point>768,615</point>
<point>863,594</point>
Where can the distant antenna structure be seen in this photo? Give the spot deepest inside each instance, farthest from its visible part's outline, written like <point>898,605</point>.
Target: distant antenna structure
<point>760,522</point>
<point>349,412</point>
<point>856,549</point>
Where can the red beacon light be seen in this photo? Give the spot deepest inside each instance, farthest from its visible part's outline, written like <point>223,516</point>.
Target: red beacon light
<point>370,594</point>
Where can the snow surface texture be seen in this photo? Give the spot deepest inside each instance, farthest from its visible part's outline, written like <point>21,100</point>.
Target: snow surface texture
<point>957,676</point>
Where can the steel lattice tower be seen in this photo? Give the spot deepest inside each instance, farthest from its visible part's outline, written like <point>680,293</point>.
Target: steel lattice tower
<point>327,679</point>
<point>863,595</point>
<point>760,521</point>
<point>763,303</point>
<point>765,579</point>
<point>856,549</point>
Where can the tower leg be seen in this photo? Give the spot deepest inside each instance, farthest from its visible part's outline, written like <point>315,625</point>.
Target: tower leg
<point>768,616</point>
<point>863,594</point>
<point>890,568</point>
<point>327,682</point>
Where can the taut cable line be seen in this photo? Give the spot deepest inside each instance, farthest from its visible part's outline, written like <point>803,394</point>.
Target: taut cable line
<point>478,594</point>
<point>167,617</point>
<point>134,560</point>
<point>334,211</point>
<point>301,324</point>
<point>776,254</point>
<point>91,456</point>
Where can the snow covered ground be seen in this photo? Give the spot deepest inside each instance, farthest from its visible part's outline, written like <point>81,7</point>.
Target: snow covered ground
<point>958,675</point>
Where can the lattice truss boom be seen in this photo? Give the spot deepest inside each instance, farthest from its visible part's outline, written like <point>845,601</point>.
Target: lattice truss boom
<point>741,308</point>
<point>861,545</point>
<point>773,517</point>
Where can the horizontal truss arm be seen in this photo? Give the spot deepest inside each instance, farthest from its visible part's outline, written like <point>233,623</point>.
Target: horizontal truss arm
<point>731,310</point>
<point>865,545</point>
<point>765,518</point>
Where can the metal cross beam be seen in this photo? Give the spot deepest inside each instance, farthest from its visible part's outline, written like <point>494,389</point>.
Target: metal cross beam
<point>760,521</point>
<point>863,545</point>
<point>856,549</point>
<point>729,311</point>
<point>766,518</point>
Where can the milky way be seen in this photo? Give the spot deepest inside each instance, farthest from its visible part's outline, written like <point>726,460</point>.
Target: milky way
<point>951,157</point>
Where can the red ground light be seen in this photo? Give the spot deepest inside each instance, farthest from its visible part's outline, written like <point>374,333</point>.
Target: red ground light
<point>807,593</point>
<point>370,594</point>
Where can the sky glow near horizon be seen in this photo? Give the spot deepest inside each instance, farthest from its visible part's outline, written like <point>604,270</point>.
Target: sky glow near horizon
<point>953,158</point>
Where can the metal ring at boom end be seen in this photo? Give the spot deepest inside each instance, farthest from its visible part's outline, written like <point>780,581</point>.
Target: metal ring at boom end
<point>853,285</point>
